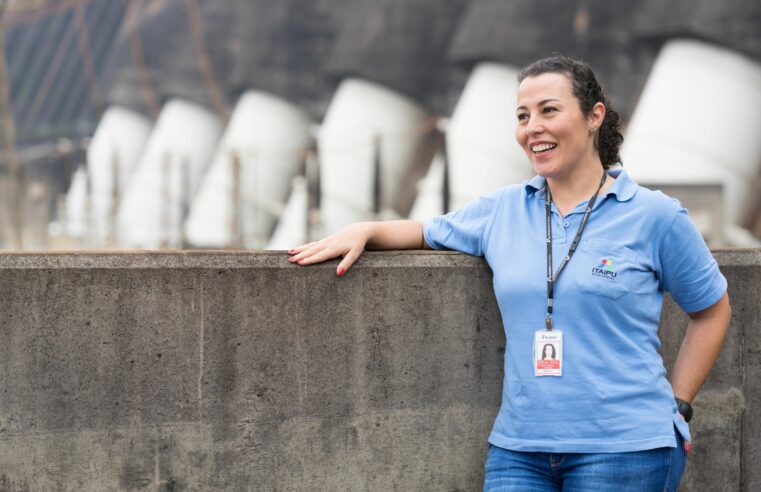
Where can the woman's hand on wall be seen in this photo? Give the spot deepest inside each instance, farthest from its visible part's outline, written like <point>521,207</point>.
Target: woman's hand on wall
<point>351,241</point>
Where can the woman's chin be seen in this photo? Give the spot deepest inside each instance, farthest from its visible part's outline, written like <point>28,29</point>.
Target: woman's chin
<point>544,170</point>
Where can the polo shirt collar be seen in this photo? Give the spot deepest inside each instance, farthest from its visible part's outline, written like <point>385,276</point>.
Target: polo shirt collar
<point>623,189</point>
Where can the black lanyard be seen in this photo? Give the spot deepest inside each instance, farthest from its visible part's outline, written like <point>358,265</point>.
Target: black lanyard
<point>548,214</point>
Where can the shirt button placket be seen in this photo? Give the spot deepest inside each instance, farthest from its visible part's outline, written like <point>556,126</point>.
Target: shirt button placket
<point>562,230</point>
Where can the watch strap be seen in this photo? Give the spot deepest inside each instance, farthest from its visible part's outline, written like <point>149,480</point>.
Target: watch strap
<point>684,408</point>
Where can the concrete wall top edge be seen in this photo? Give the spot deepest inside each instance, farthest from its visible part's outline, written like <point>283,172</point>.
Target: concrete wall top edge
<point>223,259</point>
<point>738,257</point>
<point>275,259</point>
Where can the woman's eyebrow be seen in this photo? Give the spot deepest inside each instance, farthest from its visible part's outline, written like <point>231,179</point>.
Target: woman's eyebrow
<point>542,102</point>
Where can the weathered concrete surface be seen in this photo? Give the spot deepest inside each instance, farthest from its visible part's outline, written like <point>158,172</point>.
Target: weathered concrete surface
<point>239,371</point>
<point>198,371</point>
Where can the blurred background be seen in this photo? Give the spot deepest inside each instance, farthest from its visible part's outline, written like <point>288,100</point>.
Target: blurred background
<point>262,124</point>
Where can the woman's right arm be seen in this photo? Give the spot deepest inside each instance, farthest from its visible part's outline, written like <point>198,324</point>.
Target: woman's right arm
<point>352,240</point>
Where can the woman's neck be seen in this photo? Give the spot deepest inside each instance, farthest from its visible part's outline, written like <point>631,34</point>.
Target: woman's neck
<point>569,191</point>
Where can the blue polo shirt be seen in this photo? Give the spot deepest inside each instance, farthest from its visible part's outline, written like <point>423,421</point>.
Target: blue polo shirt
<point>613,395</point>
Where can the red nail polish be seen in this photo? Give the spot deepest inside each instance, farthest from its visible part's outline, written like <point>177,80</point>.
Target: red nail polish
<point>341,272</point>
<point>688,447</point>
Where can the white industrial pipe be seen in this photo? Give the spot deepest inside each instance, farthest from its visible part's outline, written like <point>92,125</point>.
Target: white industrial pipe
<point>178,152</point>
<point>112,156</point>
<point>291,229</point>
<point>429,201</point>
<point>483,153</point>
<point>362,115</point>
<point>247,186</point>
<point>77,222</point>
<point>698,122</point>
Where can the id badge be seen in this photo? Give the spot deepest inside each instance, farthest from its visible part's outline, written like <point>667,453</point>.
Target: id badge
<point>548,353</point>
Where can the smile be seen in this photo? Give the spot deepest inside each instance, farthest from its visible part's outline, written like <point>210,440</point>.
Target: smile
<point>537,149</point>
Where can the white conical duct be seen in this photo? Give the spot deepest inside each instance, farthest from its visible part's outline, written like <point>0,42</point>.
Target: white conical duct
<point>76,205</point>
<point>698,122</point>
<point>360,114</point>
<point>291,229</point>
<point>178,152</point>
<point>264,146</point>
<point>483,153</point>
<point>112,156</point>
<point>429,201</point>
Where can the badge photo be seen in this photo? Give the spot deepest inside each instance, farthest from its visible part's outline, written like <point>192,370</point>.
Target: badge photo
<point>548,353</point>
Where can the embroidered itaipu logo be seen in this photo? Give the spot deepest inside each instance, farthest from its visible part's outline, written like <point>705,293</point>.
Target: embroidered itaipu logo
<point>604,269</point>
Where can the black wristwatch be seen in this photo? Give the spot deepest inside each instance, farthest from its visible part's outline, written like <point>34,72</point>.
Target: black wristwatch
<point>684,408</point>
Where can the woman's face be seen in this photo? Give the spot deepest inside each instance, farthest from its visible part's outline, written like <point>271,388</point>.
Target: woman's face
<point>547,351</point>
<point>551,128</point>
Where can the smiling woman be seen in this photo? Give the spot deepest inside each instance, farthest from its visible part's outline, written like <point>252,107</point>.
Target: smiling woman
<point>588,96</point>
<point>598,308</point>
<point>566,126</point>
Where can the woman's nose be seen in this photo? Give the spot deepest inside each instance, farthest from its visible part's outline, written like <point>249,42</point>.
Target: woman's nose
<point>533,127</point>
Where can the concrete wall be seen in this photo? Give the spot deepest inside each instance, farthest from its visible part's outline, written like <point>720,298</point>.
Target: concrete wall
<point>239,371</point>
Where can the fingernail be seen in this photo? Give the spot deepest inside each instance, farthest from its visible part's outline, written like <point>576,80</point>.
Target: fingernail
<point>291,251</point>
<point>341,272</point>
<point>292,259</point>
<point>687,447</point>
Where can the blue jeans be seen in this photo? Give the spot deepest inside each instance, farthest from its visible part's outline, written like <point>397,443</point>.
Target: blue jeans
<point>640,471</point>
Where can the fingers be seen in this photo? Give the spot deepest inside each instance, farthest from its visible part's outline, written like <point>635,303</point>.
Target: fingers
<point>319,252</point>
<point>299,249</point>
<point>327,249</point>
<point>318,256</point>
<point>349,242</point>
<point>348,261</point>
<point>307,251</point>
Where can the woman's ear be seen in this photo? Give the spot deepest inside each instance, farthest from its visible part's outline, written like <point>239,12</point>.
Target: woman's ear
<point>596,116</point>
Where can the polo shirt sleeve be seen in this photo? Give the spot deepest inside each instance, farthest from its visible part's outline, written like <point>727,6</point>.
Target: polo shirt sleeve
<point>464,229</point>
<point>688,269</point>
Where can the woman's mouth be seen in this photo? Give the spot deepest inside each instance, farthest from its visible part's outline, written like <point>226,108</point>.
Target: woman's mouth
<point>542,149</point>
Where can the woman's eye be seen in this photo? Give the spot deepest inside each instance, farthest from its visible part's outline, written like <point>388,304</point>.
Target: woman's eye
<point>522,116</point>
<point>548,109</point>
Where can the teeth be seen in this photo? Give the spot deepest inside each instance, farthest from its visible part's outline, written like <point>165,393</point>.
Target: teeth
<point>542,147</point>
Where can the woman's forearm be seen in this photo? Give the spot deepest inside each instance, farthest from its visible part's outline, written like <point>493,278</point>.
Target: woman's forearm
<point>395,234</point>
<point>700,347</point>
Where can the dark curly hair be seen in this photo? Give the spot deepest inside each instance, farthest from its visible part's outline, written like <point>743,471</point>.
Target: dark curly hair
<point>588,92</point>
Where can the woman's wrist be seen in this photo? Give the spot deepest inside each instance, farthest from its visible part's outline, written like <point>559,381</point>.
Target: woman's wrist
<point>684,408</point>
<point>368,231</point>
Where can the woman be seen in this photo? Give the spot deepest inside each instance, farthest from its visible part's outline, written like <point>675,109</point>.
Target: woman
<point>548,352</point>
<point>605,415</point>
